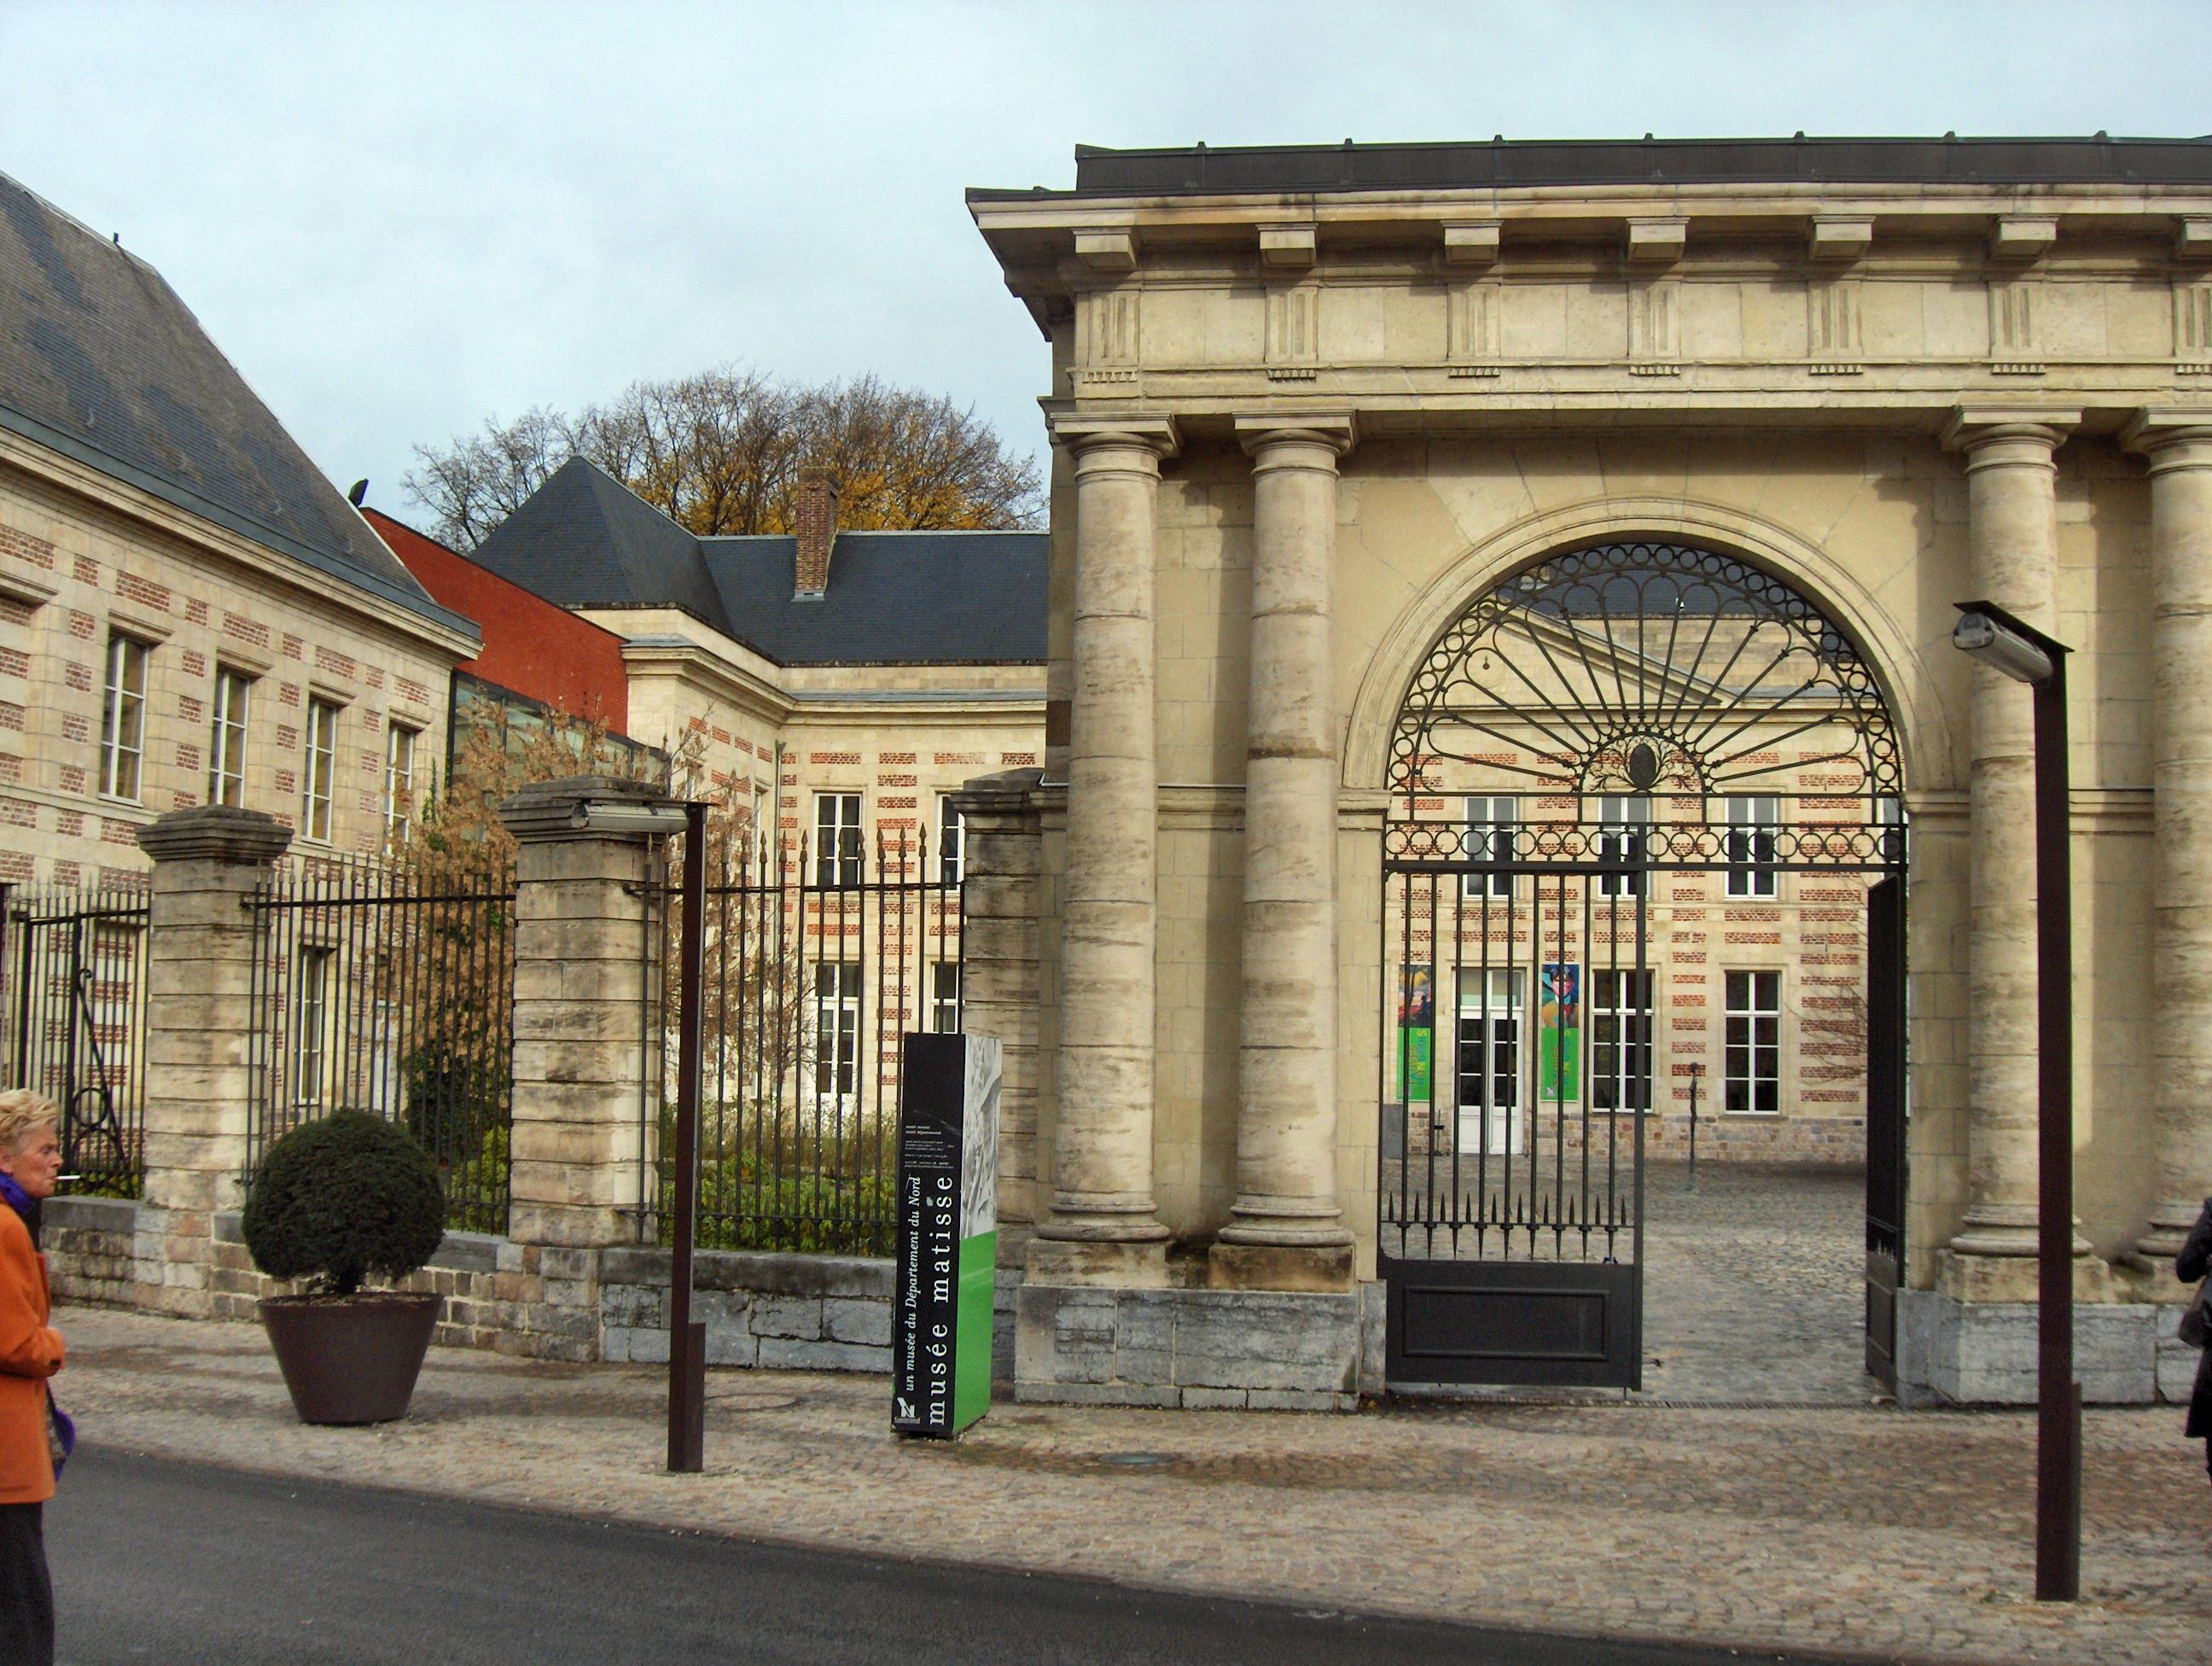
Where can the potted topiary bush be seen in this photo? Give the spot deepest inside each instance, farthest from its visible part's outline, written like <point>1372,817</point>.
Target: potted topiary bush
<point>334,1203</point>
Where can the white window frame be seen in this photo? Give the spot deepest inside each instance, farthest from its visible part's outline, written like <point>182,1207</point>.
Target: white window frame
<point>952,841</point>
<point>123,719</point>
<point>399,780</point>
<point>1630,814</point>
<point>838,847</point>
<point>227,736</point>
<point>1490,1035</point>
<point>944,997</point>
<point>837,1032</point>
<point>1491,819</point>
<point>1757,1042</point>
<point>1752,819</point>
<point>1620,1032</point>
<point>319,776</point>
<point>311,1023</point>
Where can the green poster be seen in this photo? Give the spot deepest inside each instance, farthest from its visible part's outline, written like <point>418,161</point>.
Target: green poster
<point>1417,1018</point>
<point>1559,1033</point>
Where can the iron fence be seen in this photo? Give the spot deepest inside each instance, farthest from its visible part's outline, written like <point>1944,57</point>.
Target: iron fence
<point>73,1006</point>
<point>817,961</point>
<point>378,989</point>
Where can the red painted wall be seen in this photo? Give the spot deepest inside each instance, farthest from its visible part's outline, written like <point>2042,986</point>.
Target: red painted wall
<point>530,645</point>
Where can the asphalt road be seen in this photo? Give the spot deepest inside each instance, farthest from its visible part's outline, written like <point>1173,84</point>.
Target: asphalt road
<point>182,1564</point>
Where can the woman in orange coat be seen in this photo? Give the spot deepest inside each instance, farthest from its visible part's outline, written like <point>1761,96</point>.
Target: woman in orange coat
<point>30,1353</point>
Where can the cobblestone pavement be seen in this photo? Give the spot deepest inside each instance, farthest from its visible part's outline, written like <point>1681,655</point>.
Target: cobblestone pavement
<point>1754,1285</point>
<point>1852,1530</point>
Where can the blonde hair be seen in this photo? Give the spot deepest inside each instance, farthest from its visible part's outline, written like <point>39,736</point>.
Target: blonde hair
<point>23,1113</point>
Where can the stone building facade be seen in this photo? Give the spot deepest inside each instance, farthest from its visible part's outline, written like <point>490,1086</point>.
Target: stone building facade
<point>188,612</point>
<point>1311,406</point>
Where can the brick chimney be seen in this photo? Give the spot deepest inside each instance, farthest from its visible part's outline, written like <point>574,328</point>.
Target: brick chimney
<point>814,518</point>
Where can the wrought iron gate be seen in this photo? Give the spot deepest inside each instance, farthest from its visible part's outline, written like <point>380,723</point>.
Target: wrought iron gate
<point>1511,1226</point>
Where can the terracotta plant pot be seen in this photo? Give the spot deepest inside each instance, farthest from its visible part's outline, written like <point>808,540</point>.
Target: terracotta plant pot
<point>350,1359</point>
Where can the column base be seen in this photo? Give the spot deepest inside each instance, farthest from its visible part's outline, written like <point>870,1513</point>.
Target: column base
<point>2170,1224</point>
<point>1954,1352</point>
<point>1123,1263</point>
<point>1314,1267</point>
<point>1966,1275</point>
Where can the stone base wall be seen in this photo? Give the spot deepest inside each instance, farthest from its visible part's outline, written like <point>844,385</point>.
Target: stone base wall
<point>1983,1353</point>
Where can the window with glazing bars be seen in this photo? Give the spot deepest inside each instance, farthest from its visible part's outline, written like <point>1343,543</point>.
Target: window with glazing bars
<point>322,767</point>
<point>398,783</point>
<point>944,996</point>
<point>1490,1041</point>
<point>1626,821</point>
<point>838,846</point>
<point>836,1030</point>
<point>952,842</point>
<point>226,739</point>
<point>1751,1057</point>
<point>1621,1040</point>
<point>311,1017</point>
<point>123,718</point>
<point>1750,825</point>
<point>1490,823</point>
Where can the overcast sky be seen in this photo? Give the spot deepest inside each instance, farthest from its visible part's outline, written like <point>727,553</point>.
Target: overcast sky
<point>398,220</point>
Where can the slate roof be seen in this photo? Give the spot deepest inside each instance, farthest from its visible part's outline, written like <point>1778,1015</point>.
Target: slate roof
<point>101,360</point>
<point>583,539</point>
<point>1178,170</point>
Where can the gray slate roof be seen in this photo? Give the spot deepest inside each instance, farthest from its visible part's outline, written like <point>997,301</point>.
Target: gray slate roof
<point>583,539</point>
<point>1178,170</point>
<point>101,362</point>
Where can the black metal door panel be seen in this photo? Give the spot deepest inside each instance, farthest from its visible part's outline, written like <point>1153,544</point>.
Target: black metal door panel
<point>1577,1324</point>
<point>1886,1122</point>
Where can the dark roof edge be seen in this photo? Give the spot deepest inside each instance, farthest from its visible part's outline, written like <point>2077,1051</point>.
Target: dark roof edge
<point>1103,171</point>
<point>183,497</point>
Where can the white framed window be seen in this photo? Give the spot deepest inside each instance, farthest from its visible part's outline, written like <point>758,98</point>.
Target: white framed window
<point>1487,1071</point>
<point>944,997</point>
<point>838,846</point>
<point>1621,1040</point>
<point>1626,821</point>
<point>1752,1052</point>
<point>1751,826</point>
<point>398,781</point>
<point>952,842</point>
<point>226,739</point>
<point>123,718</point>
<point>836,1031</point>
<point>316,781</point>
<point>1489,824</point>
<point>311,1021</point>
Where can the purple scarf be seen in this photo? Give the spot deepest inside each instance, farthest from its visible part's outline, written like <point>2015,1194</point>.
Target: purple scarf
<point>63,1431</point>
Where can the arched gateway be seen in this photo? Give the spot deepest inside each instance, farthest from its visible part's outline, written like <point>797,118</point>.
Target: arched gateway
<point>1609,715</point>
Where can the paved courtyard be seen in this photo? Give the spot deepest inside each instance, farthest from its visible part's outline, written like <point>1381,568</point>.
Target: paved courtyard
<point>1853,1531</point>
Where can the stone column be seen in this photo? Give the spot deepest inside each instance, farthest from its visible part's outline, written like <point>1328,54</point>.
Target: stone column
<point>1285,1229</point>
<point>1000,973</point>
<point>2179,446</point>
<point>200,947</point>
<point>2011,479</point>
<point>582,957</point>
<point>1104,1226</point>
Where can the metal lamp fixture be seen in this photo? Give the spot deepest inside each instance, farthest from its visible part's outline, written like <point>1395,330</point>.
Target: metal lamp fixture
<point>2024,653</point>
<point>629,818</point>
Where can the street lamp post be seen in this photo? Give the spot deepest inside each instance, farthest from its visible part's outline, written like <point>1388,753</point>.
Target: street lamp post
<point>1999,639</point>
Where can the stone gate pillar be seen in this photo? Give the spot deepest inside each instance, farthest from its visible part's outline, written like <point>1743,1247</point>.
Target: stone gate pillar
<point>1285,1229</point>
<point>1102,1226</point>
<point>200,949</point>
<point>2179,446</point>
<point>2012,505</point>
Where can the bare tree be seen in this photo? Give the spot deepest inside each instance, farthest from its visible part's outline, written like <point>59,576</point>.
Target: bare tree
<point>720,453</point>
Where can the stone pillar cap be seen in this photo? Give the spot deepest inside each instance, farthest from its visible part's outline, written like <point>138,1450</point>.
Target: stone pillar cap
<point>547,809</point>
<point>1970,424</point>
<point>1004,791</point>
<point>215,833</point>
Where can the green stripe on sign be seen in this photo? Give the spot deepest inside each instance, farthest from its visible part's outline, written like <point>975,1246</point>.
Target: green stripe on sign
<point>971,1366</point>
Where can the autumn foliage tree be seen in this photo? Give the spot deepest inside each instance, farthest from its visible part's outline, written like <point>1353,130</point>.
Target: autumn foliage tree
<point>720,453</point>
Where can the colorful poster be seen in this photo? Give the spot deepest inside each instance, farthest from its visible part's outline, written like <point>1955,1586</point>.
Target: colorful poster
<point>948,1239</point>
<point>1417,1023</point>
<point>1560,1032</point>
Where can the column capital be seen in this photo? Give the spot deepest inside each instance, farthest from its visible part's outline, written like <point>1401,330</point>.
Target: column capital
<point>1088,433</point>
<point>1337,430</point>
<point>2171,436</point>
<point>1973,427</point>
